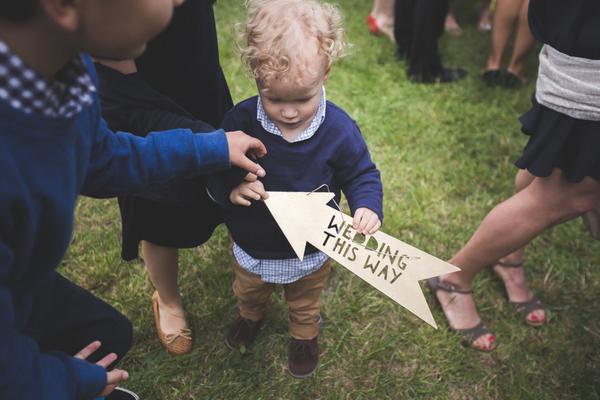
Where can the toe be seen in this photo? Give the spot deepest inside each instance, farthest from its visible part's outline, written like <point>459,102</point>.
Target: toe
<point>537,317</point>
<point>485,342</point>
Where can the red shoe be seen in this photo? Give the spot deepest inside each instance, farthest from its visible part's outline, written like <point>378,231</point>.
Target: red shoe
<point>373,26</point>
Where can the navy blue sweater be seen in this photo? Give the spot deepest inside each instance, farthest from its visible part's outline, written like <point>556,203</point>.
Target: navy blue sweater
<point>336,155</point>
<point>45,163</point>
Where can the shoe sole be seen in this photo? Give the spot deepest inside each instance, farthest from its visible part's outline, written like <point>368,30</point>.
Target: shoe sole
<point>302,376</point>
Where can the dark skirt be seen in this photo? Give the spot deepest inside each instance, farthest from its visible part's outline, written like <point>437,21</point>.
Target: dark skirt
<point>559,141</point>
<point>180,84</point>
<point>170,225</point>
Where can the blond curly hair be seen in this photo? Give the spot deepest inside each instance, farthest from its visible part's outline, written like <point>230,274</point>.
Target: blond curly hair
<point>275,29</point>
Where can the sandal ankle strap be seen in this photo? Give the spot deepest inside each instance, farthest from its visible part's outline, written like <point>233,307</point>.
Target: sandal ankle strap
<point>510,264</point>
<point>438,284</point>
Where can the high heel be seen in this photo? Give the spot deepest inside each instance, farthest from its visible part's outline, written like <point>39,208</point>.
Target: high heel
<point>373,25</point>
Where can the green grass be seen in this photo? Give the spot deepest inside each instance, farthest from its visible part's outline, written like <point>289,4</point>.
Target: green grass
<point>446,154</point>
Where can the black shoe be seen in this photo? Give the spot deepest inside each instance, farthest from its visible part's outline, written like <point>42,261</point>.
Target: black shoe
<point>242,332</point>
<point>492,77</point>
<point>513,81</point>
<point>122,394</point>
<point>446,75</point>
<point>303,357</point>
<point>401,55</point>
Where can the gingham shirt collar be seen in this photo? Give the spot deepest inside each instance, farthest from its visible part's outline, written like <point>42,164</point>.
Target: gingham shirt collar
<point>28,91</point>
<point>316,122</point>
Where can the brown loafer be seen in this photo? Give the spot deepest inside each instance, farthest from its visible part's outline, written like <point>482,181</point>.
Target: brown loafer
<point>242,332</point>
<point>303,357</point>
<point>175,343</point>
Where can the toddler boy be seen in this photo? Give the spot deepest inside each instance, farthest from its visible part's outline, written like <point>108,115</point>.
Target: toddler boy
<point>291,46</point>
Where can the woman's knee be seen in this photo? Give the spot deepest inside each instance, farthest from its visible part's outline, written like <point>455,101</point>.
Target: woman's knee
<point>562,199</point>
<point>584,203</point>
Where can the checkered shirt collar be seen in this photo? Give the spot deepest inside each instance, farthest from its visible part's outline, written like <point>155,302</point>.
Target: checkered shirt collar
<point>316,122</point>
<point>28,91</point>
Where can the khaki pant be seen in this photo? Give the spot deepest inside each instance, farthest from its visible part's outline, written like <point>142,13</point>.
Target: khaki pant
<point>303,298</point>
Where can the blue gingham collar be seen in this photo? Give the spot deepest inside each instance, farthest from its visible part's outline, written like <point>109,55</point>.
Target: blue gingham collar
<point>26,90</point>
<point>316,122</point>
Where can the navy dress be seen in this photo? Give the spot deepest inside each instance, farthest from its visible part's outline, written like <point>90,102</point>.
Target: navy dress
<point>557,140</point>
<point>179,84</point>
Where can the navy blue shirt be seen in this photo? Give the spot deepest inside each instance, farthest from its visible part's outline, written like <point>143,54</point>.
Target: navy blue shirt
<point>335,155</point>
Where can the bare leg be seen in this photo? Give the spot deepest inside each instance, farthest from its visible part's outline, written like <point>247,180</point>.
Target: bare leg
<point>451,24</point>
<point>514,279</point>
<point>523,43</point>
<point>162,265</point>
<point>512,224</point>
<point>484,24</point>
<point>383,13</point>
<point>507,12</point>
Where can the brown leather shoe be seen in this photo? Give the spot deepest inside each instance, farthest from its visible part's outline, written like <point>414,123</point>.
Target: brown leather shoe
<point>175,343</point>
<point>242,332</point>
<point>303,357</point>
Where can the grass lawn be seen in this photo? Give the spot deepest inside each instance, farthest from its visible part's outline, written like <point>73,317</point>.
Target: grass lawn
<point>446,156</point>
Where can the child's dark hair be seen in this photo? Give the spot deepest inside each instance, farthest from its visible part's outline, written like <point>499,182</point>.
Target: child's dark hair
<point>17,10</point>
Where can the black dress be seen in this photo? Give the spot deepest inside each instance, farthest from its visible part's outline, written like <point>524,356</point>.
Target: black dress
<point>557,140</point>
<point>179,84</point>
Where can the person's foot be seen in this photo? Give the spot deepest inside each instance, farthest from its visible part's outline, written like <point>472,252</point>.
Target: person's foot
<point>242,332</point>
<point>518,290</point>
<point>172,317</point>
<point>461,313</point>
<point>380,25</point>
<point>372,24</point>
<point>171,326</point>
<point>492,77</point>
<point>451,25</point>
<point>513,80</point>
<point>303,357</point>
<point>446,75</point>
<point>484,24</point>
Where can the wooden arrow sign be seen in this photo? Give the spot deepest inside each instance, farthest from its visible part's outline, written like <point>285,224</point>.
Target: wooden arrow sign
<point>388,264</point>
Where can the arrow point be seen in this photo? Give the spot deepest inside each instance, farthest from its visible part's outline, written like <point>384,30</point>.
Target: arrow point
<point>294,212</point>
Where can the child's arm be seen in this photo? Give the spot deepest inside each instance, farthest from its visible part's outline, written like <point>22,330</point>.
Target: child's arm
<point>122,163</point>
<point>360,181</point>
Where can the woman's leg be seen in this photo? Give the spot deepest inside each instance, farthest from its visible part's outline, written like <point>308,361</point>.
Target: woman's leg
<point>511,225</point>
<point>514,279</point>
<point>451,24</point>
<point>484,23</point>
<point>162,265</point>
<point>505,15</point>
<point>383,15</point>
<point>523,43</point>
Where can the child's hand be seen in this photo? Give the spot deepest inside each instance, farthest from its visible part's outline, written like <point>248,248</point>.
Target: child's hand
<point>254,190</point>
<point>239,144</point>
<point>366,221</point>
<point>113,377</point>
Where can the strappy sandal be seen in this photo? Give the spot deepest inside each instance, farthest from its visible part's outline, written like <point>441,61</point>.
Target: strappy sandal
<point>468,335</point>
<point>526,307</point>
